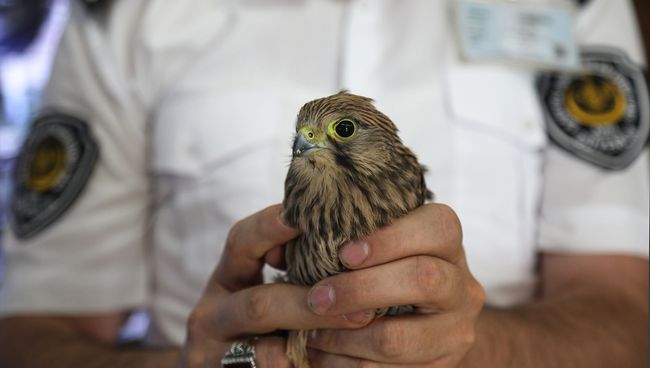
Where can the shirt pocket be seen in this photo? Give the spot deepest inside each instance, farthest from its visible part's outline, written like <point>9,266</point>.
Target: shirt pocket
<point>498,136</point>
<point>216,160</point>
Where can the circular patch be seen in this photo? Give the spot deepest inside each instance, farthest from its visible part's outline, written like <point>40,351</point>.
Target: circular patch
<point>595,100</point>
<point>51,171</point>
<point>601,114</point>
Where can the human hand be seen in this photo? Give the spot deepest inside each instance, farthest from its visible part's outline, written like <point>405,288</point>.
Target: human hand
<point>235,304</point>
<point>417,260</point>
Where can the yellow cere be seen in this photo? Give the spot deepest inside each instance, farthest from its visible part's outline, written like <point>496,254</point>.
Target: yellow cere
<point>312,135</point>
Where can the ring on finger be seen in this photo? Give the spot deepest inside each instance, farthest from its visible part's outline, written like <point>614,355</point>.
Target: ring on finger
<point>240,355</point>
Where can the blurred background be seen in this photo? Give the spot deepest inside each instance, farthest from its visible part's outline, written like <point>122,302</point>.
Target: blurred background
<point>29,34</point>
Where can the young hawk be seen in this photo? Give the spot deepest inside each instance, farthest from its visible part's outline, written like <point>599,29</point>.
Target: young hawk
<point>350,175</point>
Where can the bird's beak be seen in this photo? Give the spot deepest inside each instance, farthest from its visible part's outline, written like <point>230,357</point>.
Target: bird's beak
<point>306,142</point>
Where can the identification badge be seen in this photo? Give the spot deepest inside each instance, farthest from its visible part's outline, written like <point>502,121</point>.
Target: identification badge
<point>537,35</point>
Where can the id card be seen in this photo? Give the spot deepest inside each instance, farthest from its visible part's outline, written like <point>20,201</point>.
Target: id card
<point>537,35</point>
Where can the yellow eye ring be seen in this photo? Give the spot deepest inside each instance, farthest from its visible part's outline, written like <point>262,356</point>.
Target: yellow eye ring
<point>342,130</point>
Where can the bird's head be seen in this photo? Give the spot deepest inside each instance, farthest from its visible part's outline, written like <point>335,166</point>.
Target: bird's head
<point>343,132</point>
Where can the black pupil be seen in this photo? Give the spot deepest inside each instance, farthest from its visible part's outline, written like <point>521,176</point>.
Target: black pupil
<point>345,129</point>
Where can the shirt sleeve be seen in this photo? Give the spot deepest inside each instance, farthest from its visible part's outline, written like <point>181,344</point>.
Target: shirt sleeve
<point>586,209</point>
<point>93,257</point>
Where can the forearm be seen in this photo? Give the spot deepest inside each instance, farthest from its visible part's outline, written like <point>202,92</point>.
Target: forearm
<point>27,344</point>
<point>584,328</point>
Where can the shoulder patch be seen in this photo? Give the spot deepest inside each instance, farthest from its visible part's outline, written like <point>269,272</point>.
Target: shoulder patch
<point>51,171</point>
<point>602,114</point>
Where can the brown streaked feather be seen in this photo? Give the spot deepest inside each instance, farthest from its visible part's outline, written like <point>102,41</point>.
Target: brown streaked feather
<point>345,192</point>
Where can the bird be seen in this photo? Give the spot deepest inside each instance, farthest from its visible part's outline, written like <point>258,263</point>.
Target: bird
<point>349,175</point>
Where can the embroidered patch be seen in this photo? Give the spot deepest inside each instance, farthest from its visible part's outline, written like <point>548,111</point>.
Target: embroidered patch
<point>602,114</point>
<point>51,171</point>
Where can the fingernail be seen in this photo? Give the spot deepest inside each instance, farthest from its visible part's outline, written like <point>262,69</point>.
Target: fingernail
<point>360,317</point>
<point>354,253</point>
<point>321,298</point>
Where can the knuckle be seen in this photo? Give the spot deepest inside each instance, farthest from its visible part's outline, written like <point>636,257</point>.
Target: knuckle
<point>194,359</point>
<point>445,361</point>
<point>196,321</point>
<point>258,305</point>
<point>367,364</point>
<point>389,339</point>
<point>450,223</point>
<point>265,224</point>
<point>427,275</point>
<point>466,339</point>
<point>328,339</point>
<point>476,295</point>
<point>233,237</point>
<point>273,356</point>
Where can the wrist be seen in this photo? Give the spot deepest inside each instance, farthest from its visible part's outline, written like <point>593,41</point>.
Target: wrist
<point>495,339</point>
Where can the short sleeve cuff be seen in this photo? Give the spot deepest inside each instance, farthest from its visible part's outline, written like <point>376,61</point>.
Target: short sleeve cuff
<point>34,285</point>
<point>600,230</point>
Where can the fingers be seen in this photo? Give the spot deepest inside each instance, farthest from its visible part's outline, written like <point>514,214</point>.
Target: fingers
<point>275,257</point>
<point>427,282</point>
<point>257,234</point>
<point>267,308</point>
<point>248,242</point>
<point>433,229</point>
<point>222,317</point>
<point>411,339</point>
<point>270,352</point>
<point>320,359</point>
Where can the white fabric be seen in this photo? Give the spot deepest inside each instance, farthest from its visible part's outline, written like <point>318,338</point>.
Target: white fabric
<point>92,259</point>
<point>194,103</point>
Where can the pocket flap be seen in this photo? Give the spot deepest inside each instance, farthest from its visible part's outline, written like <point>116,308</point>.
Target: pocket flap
<point>199,132</point>
<point>496,98</point>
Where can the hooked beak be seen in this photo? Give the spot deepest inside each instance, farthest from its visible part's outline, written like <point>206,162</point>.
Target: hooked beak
<point>302,145</point>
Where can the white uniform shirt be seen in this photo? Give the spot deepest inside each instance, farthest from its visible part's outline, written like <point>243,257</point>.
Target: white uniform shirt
<point>193,105</point>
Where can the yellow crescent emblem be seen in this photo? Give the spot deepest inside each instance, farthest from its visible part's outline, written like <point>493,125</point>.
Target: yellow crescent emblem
<point>47,166</point>
<point>595,101</point>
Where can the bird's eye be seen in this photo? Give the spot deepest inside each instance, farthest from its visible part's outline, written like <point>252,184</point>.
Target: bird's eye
<point>344,128</point>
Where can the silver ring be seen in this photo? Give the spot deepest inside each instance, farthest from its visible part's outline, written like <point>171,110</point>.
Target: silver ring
<point>240,355</point>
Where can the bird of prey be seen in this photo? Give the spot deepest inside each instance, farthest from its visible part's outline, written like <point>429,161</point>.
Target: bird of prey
<point>350,175</point>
